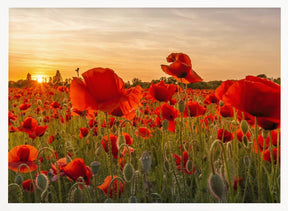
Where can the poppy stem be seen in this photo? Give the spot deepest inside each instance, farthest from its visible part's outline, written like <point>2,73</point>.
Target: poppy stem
<point>109,145</point>
<point>259,162</point>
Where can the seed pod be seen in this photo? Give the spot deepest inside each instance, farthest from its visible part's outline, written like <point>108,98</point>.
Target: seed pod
<point>77,196</point>
<point>108,200</point>
<point>19,179</point>
<point>165,124</point>
<point>102,130</point>
<point>128,172</point>
<point>95,165</point>
<point>245,141</point>
<point>247,161</point>
<point>146,161</point>
<point>42,182</point>
<point>100,137</point>
<point>221,103</point>
<point>244,126</point>
<point>132,199</point>
<point>189,166</point>
<point>98,150</point>
<point>121,140</point>
<point>216,186</point>
<point>166,165</point>
<point>181,106</point>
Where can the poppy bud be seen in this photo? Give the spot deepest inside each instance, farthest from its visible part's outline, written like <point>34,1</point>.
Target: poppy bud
<point>98,151</point>
<point>121,140</point>
<point>19,179</point>
<point>189,166</point>
<point>181,106</point>
<point>95,165</point>
<point>146,161</point>
<point>265,134</point>
<point>42,182</point>
<point>165,124</point>
<point>244,126</point>
<point>245,140</point>
<point>114,129</point>
<point>166,165</point>
<point>108,200</point>
<point>132,199</point>
<point>68,159</point>
<point>216,185</point>
<point>100,137</point>
<point>102,130</point>
<point>247,161</point>
<point>128,172</point>
<point>77,196</point>
<point>221,103</point>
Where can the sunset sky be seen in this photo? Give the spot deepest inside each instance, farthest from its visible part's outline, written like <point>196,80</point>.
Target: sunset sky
<point>222,43</point>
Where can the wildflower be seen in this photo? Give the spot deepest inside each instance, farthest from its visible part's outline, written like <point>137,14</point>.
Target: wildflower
<point>143,132</point>
<point>117,185</point>
<point>83,132</point>
<point>182,161</point>
<point>102,89</point>
<point>30,126</point>
<point>77,168</point>
<point>113,145</point>
<point>181,68</point>
<point>169,113</point>
<point>224,135</point>
<point>28,186</point>
<point>195,109</point>
<point>161,91</point>
<point>22,154</point>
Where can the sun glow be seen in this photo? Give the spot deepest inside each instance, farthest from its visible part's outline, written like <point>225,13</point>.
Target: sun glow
<point>39,78</point>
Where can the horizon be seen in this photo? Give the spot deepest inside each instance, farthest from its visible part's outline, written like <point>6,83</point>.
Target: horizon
<point>222,43</point>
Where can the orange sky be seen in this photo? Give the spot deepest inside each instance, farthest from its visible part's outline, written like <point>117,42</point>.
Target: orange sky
<point>222,43</point>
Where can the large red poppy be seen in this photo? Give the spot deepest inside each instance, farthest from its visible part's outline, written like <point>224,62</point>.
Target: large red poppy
<point>181,68</point>
<point>77,168</point>
<point>113,187</point>
<point>169,113</point>
<point>102,89</point>
<point>161,91</point>
<point>22,154</point>
<point>31,127</point>
<point>256,96</point>
<point>195,109</point>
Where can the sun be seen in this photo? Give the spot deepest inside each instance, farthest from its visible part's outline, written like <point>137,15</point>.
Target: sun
<point>39,78</point>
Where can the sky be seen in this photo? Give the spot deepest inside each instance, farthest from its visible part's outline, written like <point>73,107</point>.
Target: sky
<point>222,43</point>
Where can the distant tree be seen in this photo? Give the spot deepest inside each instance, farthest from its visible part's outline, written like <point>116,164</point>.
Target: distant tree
<point>50,80</point>
<point>262,76</point>
<point>136,81</point>
<point>28,78</point>
<point>77,70</point>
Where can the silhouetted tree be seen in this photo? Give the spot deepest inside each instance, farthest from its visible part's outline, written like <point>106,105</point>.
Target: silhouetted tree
<point>28,78</point>
<point>57,78</point>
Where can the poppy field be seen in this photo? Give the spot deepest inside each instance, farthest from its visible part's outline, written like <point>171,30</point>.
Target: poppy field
<point>97,141</point>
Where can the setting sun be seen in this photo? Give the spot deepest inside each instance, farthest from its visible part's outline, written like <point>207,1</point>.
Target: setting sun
<point>39,78</point>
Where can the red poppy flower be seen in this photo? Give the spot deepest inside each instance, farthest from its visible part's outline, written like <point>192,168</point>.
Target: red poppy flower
<point>267,155</point>
<point>113,145</point>
<point>62,162</point>
<point>237,182</point>
<point>257,96</point>
<point>51,139</point>
<point>119,112</point>
<point>20,154</point>
<point>181,68</point>
<point>55,104</point>
<point>169,113</point>
<point>211,98</point>
<point>195,109</point>
<point>24,107</point>
<point>102,89</point>
<point>240,135</point>
<point>128,139</point>
<point>117,185</point>
<point>224,135</point>
<point>28,186</point>
<point>30,126</point>
<point>180,162</point>
<point>226,111</point>
<point>83,132</point>
<point>143,132</point>
<point>274,137</point>
<point>77,168</point>
<point>12,117</point>
<point>161,91</point>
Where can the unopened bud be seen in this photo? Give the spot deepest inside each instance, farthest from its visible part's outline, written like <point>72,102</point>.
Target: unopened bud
<point>146,161</point>
<point>42,182</point>
<point>181,106</point>
<point>221,103</point>
<point>166,165</point>
<point>265,134</point>
<point>95,165</point>
<point>132,199</point>
<point>128,172</point>
<point>102,130</point>
<point>77,196</point>
<point>244,126</point>
<point>121,140</point>
<point>245,141</point>
<point>247,161</point>
<point>216,186</point>
<point>189,166</point>
<point>19,179</point>
<point>98,150</point>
